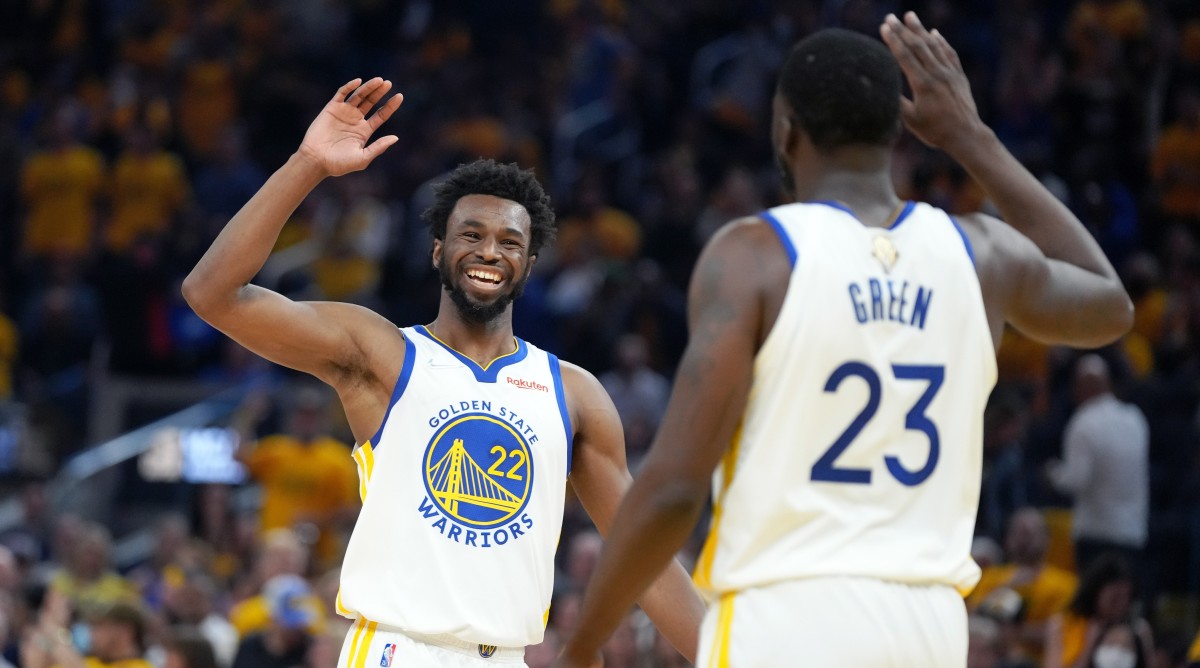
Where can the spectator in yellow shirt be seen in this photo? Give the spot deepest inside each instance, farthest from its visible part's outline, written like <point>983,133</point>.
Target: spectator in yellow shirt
<point>60,186</point>
<point>116,639</point>
<point>149,187</point>
<point>281,553</point>
<point>309,480</point>
<point>597,228</point>
<point>1105,598</point>
<point>295,617</point>
<point>1045,589</point>
<point>87,579</point>
<point>1176,162</point>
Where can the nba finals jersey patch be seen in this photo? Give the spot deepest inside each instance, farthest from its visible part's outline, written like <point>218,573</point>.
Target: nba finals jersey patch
<point>389,652</point>
<point>486,651</point>
<point>885,251</point>
<point>478,472</point>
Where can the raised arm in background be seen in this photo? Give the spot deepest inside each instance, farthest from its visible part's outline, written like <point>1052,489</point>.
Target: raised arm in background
<point>1040,269</point>
<point>339,343</point>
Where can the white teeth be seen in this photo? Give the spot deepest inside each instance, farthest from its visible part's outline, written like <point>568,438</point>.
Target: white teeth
<point>484,275</point>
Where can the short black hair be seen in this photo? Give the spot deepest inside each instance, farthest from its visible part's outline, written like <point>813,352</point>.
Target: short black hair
<point>843,88</point>
<point>503,180</point>
<point>1106,569</point>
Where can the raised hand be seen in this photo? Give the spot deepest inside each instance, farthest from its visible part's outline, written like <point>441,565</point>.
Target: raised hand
<point>337,139</point>
<point>942,111</point>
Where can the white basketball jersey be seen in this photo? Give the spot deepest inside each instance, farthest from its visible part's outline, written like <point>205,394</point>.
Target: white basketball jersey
<point>860,449</point>
<point>463,490</point>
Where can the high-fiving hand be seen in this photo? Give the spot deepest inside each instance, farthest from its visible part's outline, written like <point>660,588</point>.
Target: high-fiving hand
<point>337,139</point>
<point>941,112</point>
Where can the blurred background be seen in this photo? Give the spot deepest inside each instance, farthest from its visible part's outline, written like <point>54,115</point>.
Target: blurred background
<point>165,494</point>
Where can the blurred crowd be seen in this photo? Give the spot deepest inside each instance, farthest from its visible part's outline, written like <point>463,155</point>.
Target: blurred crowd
<point>131,131</point>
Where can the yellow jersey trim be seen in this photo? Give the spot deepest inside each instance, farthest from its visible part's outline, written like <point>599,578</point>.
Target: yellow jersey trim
<point>516,349</point>
<point>365,648</point>
<point>703,575</point>
<point>369,459</point>
<point>359,625</point>
<point>720,650</point>
<point>362,474</point>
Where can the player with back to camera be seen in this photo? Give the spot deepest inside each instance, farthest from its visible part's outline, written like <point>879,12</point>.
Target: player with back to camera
<point>841,352</point>
<point>467,435</point>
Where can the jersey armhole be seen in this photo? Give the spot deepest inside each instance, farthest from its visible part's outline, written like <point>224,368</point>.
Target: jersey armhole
<point>784,239</point>
<point>561,395</point>
<point>965,239</point>
<point>410,355</point>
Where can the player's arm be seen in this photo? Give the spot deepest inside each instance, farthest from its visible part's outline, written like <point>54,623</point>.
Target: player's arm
<point>325,339</point>
<point>601,478</point>
<point>1064,288</point>
<point>709,395</point>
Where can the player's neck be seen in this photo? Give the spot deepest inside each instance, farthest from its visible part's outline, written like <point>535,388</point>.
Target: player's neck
<point>482,342</point>
<point>870,194</point>
<point>858,176</point>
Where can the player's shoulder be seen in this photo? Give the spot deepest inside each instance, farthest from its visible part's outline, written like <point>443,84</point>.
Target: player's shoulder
<point>357,314</point>
<point>993,237</point>
<point>584,395</point>
<point>978,221</point>
<point>745,250</point>
<point>376,338</point>
<point>747,231</point>
<point>578,382</point>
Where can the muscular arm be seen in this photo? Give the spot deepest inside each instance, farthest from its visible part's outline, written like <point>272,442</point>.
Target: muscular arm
<point>658,513</point>
<point>600,478</point>
<point>1049,300</point>
<point>1064,290</point>
<point>325,339</point>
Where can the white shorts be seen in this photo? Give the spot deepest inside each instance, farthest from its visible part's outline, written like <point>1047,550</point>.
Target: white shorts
<point>837,622</point>
<point>370,645</point>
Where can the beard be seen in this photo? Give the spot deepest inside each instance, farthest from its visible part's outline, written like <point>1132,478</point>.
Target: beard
<point>785,175</point>
<point>470,310</point>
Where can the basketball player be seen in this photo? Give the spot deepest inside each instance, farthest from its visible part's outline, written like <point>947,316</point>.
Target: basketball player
<point>466,435</point>
<point>842,350</point>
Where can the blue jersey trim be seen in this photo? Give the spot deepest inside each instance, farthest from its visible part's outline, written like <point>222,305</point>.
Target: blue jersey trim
<point>908,208</point>
<point>556,374</point>
<point>483,374</point>
<point>410,356</point>
<point>966,241</point>
<point>784,239</point>
<point>836,205</point>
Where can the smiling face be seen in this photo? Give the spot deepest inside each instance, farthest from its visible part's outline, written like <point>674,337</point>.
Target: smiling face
<point>484,260</point>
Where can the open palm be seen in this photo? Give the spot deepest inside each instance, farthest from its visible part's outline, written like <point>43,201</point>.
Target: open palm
<point>337,139</point>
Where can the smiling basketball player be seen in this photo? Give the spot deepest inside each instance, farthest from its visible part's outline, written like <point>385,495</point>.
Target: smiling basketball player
<point>466,434</point>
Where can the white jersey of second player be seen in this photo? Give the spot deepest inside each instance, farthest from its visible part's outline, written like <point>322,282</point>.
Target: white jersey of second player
<point>463,490</point>
<point>860,449</point>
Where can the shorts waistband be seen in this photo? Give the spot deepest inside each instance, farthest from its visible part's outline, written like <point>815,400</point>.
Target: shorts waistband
<point>446,641</point>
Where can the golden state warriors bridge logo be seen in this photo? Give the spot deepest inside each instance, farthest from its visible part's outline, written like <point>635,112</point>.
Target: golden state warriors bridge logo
<point>478,472</point>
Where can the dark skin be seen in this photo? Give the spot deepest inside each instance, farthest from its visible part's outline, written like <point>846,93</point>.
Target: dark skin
<point>360,353</point>
<point>1041,272</point>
